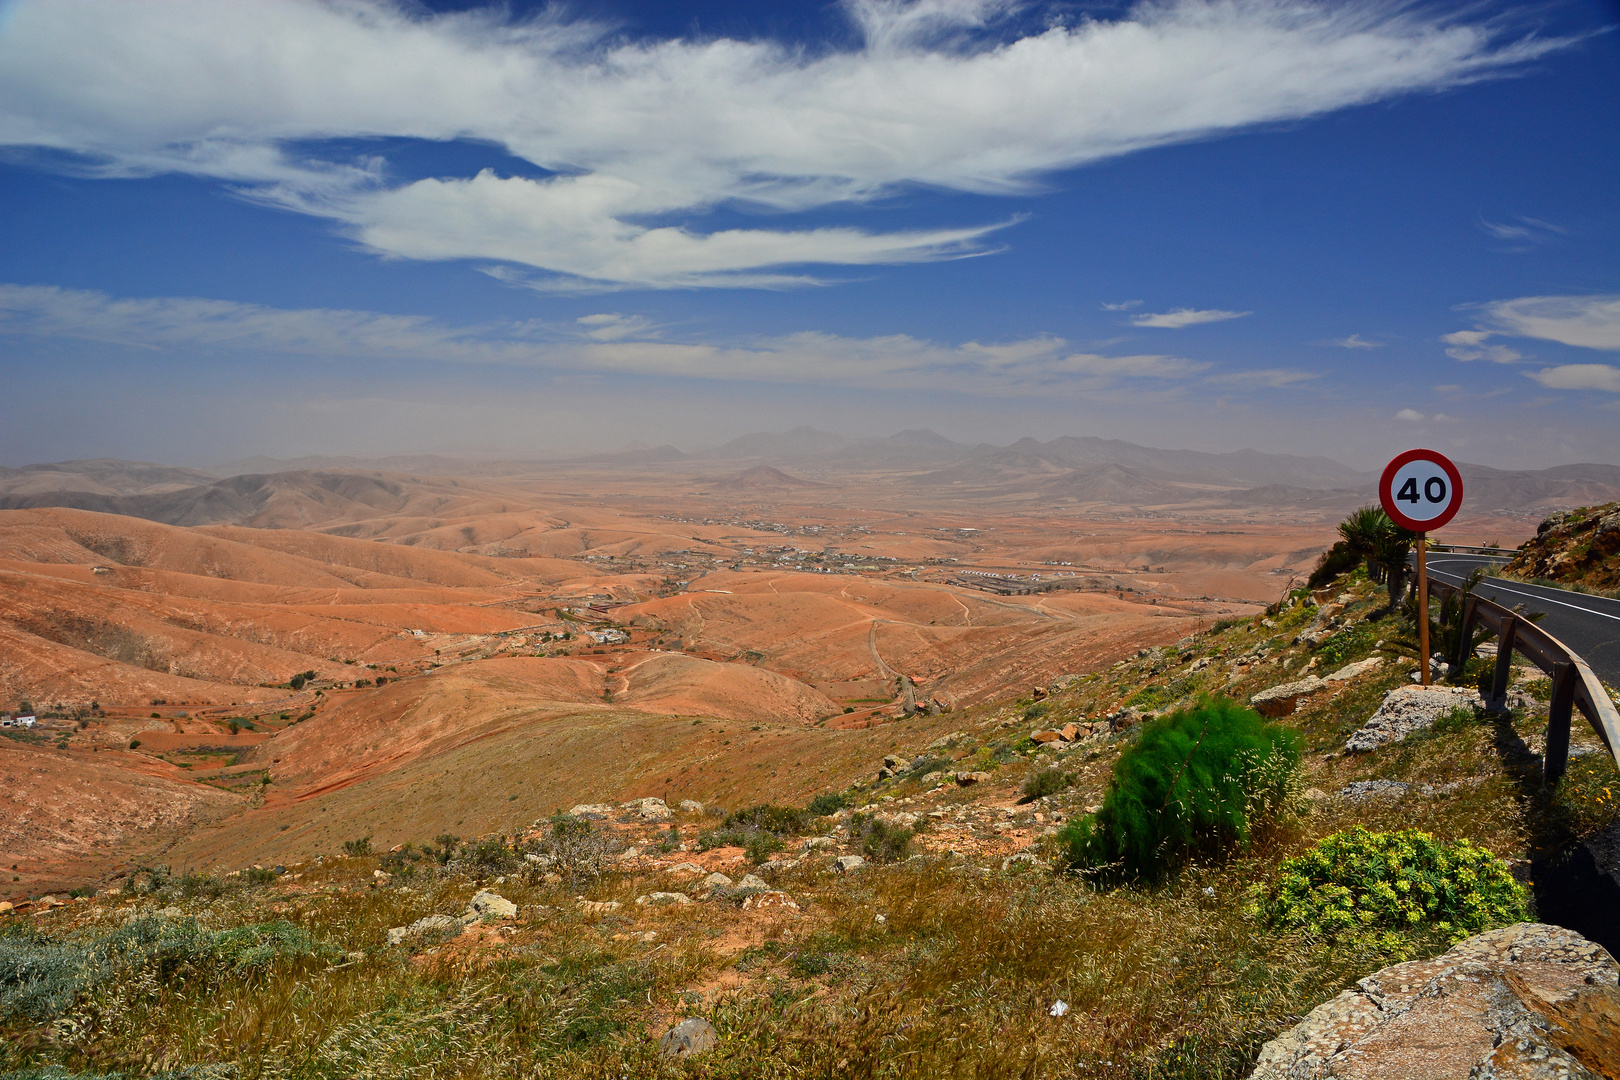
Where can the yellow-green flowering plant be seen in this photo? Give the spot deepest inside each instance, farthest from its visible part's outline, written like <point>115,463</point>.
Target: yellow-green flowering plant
<point>1360,883</point>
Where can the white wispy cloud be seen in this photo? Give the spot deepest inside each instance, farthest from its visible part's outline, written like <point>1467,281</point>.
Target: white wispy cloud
<point>1588,322</point>
<point>1579,377</point>
<point>639,140</point>
<point>1273,378</point>
<point>1411,416</point>
<point>1180,317</point>
<point>1123,305</point>
<point>1354,341</point>
<point>1523,233</point>
<point>607,342</point>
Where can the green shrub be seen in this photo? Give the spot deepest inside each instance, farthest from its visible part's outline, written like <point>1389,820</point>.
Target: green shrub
<point>1357,882</point>
<point>878,840</point>
<point>1196,781</point>
<point>357,848</point>
<point>1045,781</point>
<point>1036,711</point>
<point>1339,559</point>
<point>781,820</point>
<point>761,845</point>
<point>488,857</point>
<point>828,802</point>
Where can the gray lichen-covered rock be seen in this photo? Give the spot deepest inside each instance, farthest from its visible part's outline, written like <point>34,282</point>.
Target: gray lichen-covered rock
<point>1350,671</point>
<point>688,1038</point>
<point>399,935</point>
<point>1528,1002</point>
<point>1407,709</point>
<point>488,905</point>
<point>847,863</point>
<point>1283,700</point>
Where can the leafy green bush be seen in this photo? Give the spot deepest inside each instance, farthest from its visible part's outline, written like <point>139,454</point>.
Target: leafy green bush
<point>488,857</point>
<point>1358,882</point>
<point>878,840</point>
<point>357,848</point>
<point>1045,781</point>
<point>1339,559</point>
<point>828,802</point>
<point>1198,780</point>
<point>781,820</point>
<point>1037,710</point>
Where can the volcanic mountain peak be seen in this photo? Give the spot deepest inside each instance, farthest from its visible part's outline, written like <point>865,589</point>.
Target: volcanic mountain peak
<point>765,476</point>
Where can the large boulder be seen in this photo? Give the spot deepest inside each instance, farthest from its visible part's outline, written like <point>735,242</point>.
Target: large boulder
<point>1527,1001</point>
<point>1407,709</point>
<point>1284,699</point>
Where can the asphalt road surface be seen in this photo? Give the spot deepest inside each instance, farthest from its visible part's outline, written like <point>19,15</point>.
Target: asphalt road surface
<point>1588,624</point>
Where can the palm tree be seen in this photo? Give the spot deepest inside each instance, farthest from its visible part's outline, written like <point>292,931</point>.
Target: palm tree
<point>1361,532</point>
<point>1370,533</point>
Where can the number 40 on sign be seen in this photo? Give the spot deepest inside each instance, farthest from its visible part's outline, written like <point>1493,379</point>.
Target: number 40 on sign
<point>1421,490</point>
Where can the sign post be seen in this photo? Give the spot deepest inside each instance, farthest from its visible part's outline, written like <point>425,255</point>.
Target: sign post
<point>1421,490</point>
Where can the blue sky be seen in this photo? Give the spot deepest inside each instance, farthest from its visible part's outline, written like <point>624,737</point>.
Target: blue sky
<point>286,228</point>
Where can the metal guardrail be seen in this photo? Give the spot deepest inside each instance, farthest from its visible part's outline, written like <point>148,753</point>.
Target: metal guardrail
<point>1474,549</point>
<point>1573,683</point>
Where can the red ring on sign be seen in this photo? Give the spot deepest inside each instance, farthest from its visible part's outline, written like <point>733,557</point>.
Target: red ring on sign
<point>1387,497</point>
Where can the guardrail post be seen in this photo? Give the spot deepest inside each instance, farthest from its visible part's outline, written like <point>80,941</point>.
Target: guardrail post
<point>1559,712</point>
<point>1504,659</point>
<point>1465,647</point>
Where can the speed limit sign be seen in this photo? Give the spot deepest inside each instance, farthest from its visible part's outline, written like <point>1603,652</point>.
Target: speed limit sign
<point>1421,490</point>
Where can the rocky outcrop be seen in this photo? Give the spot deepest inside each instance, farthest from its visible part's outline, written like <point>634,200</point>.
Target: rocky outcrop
<point>1579,547</point>
<point>1407,709</point>
<point>1282,700</point>
<point>1529,1001</point>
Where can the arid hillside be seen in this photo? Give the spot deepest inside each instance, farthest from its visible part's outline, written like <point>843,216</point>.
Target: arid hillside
<point>403,655</point>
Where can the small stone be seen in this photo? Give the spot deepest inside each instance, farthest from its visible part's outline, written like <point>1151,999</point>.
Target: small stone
<point>663,898</point>
<point>591,810</point>
<point>847,863</point>
<point>688,1038</point>
<point>1020,859</point>
<point>1069,732</point>
<point>691,806</point>
<point>686,868</point>
<point>6,907</point>
<point>488,905</point>
<point>718,881</point>
<point>1044,736</point>
<point>814,843</point>
<point>770,898</point>
<point>599,907</point>
<point>749,881</point>
<point>967,779</point>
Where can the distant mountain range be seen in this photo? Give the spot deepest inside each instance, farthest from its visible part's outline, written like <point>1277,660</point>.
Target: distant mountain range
<point>1067,470</point>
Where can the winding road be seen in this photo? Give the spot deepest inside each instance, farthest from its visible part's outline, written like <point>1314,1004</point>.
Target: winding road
<point>1588,624</point>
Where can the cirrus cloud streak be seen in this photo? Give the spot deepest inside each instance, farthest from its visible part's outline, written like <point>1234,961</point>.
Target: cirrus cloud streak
<point>641,139</point>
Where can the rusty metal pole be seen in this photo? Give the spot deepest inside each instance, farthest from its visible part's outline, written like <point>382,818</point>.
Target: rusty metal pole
<point>1423,608</point>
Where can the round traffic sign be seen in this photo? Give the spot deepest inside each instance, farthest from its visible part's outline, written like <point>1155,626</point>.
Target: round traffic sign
<point>1421,490</point>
